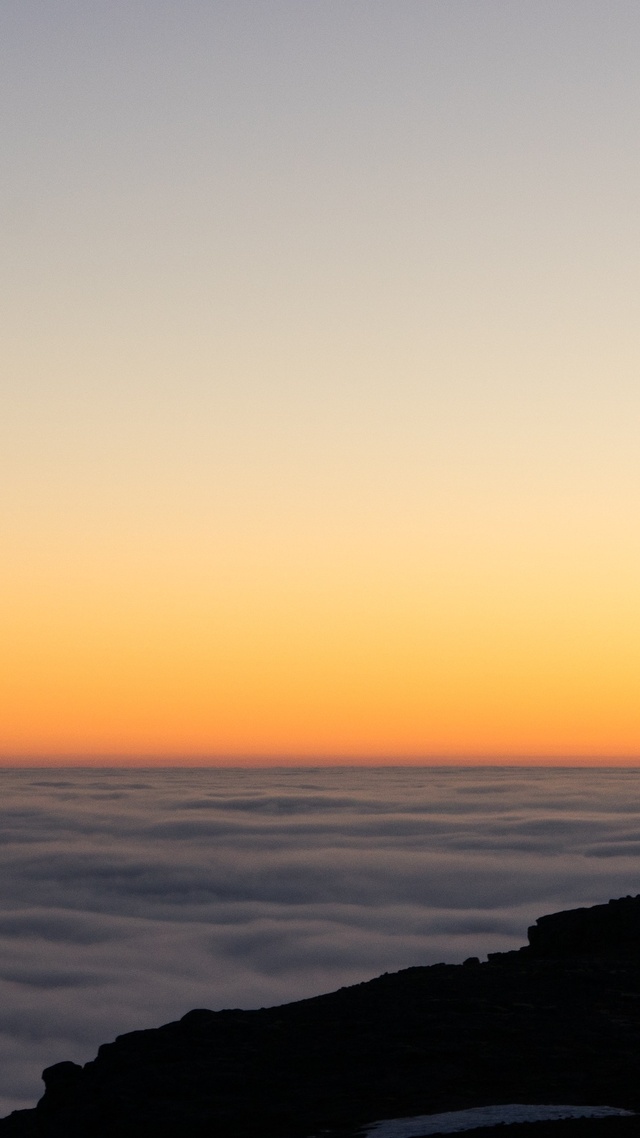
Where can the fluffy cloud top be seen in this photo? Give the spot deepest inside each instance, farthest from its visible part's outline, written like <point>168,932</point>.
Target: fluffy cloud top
<point>128,897</point>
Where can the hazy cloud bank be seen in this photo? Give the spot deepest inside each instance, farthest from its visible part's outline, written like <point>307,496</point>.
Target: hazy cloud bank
<point>129,897</point>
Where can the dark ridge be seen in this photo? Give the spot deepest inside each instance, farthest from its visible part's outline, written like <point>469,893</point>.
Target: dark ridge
<point>556,1022</point>
<point>611,928</point>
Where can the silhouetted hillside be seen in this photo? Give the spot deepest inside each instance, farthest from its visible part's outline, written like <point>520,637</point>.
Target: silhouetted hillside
<point>555,1022</point>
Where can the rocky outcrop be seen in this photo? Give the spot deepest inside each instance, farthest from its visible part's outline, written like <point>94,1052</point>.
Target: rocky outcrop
<point>558,1021</point>
<point>611,929</point>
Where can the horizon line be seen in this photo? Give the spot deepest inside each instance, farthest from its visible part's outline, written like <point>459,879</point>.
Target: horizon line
<point>257,761</point>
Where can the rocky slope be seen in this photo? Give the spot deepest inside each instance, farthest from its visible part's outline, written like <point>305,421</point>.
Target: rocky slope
<point>557,1021</point>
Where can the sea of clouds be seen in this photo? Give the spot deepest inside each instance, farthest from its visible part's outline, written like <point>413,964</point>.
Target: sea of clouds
<point>130,896</point>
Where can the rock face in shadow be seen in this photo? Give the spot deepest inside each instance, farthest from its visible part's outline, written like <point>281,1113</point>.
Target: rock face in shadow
<point>557,1022</point>
<point>600,930</point>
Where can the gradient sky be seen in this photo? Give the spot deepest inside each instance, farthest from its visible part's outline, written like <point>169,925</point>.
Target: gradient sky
<point>320,397</point>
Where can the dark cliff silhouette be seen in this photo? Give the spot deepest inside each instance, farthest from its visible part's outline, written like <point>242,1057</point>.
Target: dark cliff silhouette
<point>557,1021</point>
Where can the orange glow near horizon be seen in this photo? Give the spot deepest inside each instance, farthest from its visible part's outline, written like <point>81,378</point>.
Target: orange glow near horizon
<point>338,665</point>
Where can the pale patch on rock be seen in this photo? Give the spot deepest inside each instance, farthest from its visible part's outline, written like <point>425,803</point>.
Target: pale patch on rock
<point>455,1121</point>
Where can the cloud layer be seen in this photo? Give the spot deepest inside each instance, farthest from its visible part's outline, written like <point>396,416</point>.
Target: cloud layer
<point>128,897</point>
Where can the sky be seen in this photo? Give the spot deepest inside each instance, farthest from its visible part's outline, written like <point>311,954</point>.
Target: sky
<point>319,409</point>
